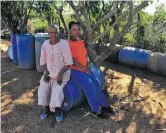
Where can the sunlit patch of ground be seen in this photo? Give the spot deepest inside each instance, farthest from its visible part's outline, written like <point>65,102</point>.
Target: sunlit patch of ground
<point>132,127</point>
<point>136,93</point>
<point>8,101</point>
<point>4,45</point>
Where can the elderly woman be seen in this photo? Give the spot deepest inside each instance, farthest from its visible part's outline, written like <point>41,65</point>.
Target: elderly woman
<point>94,94</point>
<point>56,57</point>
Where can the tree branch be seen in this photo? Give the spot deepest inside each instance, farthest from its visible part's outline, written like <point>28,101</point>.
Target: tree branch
<point>116,39</point>
<point>30,8</point>
<point>106,32</point>
<point>141,6</point>
<point>81,6</point>
<point>103,19</point>
<point>106,17</point>
<point>27,14</point>
<point>59,11</point>
<point>78,16</point>
<point>92,54</point>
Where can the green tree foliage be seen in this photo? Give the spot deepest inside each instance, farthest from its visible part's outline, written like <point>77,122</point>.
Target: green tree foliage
<point>153,29</point>
<point>15,14</point>
<point>101,21</point>
<point>46,10</point>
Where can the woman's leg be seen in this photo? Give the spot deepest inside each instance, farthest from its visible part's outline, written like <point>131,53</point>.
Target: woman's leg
<point>44,93</point>
<point>57,95</point>
<point>44,97</point>
<point>102,98</point>
<point>100,95</point>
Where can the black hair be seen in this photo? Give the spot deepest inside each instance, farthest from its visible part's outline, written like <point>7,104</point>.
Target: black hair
<point>72,23</point>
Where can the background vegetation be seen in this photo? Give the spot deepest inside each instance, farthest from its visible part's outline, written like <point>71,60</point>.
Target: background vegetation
<point>102,22</point>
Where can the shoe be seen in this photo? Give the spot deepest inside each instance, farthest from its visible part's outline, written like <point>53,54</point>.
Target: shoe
<point>45,113</point>
<point>59,115</point>
<point>108,110</point>
<point>102,115</point>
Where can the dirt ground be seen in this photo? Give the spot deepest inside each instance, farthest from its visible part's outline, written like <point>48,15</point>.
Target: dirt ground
<point>138,96</point>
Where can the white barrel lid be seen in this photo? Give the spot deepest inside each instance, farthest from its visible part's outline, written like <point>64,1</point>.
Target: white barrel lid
<point>41,35</point>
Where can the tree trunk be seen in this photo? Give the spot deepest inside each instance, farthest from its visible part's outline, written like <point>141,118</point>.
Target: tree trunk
<point>64,24</point>
<point>138,30</point>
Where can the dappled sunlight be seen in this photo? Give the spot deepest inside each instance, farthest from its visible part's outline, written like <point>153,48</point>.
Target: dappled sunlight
<point>118,116</point>
<point>26,98</point>
<point>133,92</point>
<point>102,68</point>
<point>119,130</point>
<point>3,45</point>
<point>132,128</point>
<point>121,85</point>
<point>8,101</point>
<point>6,110</point>
<point>13,80</point>
<point>8,71</point>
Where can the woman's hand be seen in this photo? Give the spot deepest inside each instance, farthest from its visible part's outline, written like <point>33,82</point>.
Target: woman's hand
<point>46,77</point>
<point>60,75</point>
<point>59,78</point>
<point>86,69</point>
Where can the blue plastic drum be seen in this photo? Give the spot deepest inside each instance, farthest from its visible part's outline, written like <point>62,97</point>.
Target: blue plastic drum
<point>96,74</point>
<point>26,51</point>
<point>134,57</point>
<point>73,96</point>
<point>10,52</point>
<point>14,49</point>
<point>39,39</point>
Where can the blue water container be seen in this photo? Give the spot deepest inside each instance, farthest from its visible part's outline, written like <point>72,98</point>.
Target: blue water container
<point>96,74</point>
<point>73,96</point>
<point>26,51</point>
<point>39,39</point>
<point>134,57</point>
<point>73,93</point>
<point>14,48</point>
<point>10,52</point>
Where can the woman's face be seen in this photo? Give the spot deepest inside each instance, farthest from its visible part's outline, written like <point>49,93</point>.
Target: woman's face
<point>75,30</point>
<point>53,33</point>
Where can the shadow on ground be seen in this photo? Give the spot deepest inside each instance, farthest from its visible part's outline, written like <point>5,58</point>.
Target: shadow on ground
<point>20,113</point>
